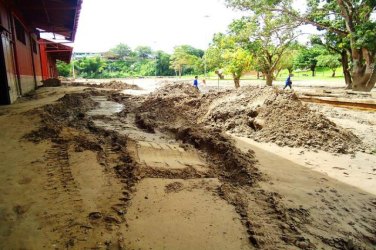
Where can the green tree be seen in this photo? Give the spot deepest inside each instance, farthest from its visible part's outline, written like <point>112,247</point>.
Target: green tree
<point>330,61</point>
<point>224,53</point>
<point>90,67</point>
<point>63,68</point>
<point>147,68</point>
<point>143,52</point>
<point>163,64</point>
<point>350,20</point>
<point>121,51</point>
<point>288,58</point>
<point>307,58</point>
<point>237,62</point>
<point>336,45</point>
<point>267,36</point>
<point>184,56</point>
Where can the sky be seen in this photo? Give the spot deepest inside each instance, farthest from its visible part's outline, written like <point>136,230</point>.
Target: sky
<point>160,24</point>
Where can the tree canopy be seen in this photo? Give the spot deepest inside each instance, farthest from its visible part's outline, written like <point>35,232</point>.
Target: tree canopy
<point>225,54</point>
<point>185,57</point>
<point>350,21</point>
<point>267,36</point>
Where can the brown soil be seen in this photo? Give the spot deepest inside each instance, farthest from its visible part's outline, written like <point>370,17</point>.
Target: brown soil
<point>115,85</point>
<point>174,187</point>
<point>264,114</point>
<point>52,82</point>
<point>114,180</point>
<point>199,120</point>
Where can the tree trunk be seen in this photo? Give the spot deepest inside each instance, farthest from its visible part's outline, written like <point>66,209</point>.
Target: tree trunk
<point>363,72</point>
<point>365,81</point>
<point>237,82</point>
<point>269,79</point>
<point>334,73</point>
<point>346,69</point>
<point>313,69</point>
<point>258,74</point>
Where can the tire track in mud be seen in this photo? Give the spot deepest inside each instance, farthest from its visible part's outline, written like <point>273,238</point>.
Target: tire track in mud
<point>68,218</point>
<point>260,212</point>
<point>59,169</point>
<point>157,159</point>
<point>234,169</point>
<point>64,192</point>
<point>76,225</point>
<point>267,223</point>
<point>270,222</point>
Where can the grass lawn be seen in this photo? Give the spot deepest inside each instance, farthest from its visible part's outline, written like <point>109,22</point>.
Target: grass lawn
<point>303,75</point>
<point>323,78</point>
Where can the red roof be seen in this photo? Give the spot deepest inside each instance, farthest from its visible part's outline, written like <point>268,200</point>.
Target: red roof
<point>55,16</point>
<point>57,51</point>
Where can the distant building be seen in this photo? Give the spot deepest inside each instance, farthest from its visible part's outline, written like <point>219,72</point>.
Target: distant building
<point>25,58</point>
<point>80,55</point>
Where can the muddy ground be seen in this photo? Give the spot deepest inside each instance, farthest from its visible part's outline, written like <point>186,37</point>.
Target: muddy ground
<point>86,168</point>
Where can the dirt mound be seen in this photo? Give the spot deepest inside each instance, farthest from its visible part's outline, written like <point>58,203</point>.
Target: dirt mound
<point>290,123</point>
<point>231,164</point>
<point>68,110</point>
<point>51,82</point>
<point>172,103</point>
<point>174,187</point>
<point>175,108</point>
<point>264,114</point>
<point>269,115</point>
<point>115,85</point>
<point>174,89</point>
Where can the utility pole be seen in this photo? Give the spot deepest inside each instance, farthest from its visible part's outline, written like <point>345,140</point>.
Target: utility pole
<point>205,66</point>
<point>155,58</point>
<point>155,66</point>
<point>73,72</point>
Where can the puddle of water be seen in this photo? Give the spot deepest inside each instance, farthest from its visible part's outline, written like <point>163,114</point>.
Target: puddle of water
<point>105,107</point>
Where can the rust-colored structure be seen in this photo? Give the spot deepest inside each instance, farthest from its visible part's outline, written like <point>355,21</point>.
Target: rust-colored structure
<point>25,58</point>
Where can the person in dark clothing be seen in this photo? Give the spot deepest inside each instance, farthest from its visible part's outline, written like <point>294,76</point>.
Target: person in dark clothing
<point>288,82</point>
<point>195,82</point>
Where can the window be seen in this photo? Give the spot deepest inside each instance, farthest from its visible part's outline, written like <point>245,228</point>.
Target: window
<point>34,46</point>
<point>20,32</point>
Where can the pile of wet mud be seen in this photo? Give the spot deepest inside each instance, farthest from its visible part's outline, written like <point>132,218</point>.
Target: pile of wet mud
<point>264,114</point>
<point>177,103</point>
<point>66,125</point>
<point>231,164</point>
<point>67,111</point>
<point>52,82</point>
<point>180,89</point>
<point>113,85</point>
<point>269,224</point>
<point>270,115</point>
<point>237,170</point>
<point>174,109</point>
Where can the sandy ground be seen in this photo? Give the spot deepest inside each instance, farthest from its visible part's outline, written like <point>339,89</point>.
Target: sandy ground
<point>109,184</point>
<point>357,170</point>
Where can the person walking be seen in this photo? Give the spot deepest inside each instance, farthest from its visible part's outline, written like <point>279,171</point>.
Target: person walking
<point>195,82</point>
<point>288,82</point>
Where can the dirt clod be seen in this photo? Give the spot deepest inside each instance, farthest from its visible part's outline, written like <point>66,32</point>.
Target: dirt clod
<point>95,215</point>
<point>114,85</point>
<point>174,187</point>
